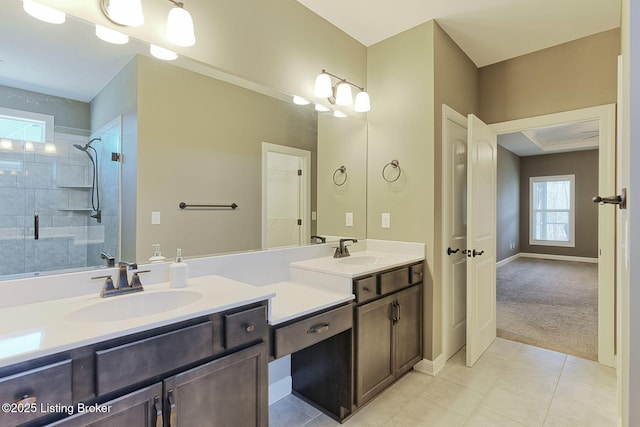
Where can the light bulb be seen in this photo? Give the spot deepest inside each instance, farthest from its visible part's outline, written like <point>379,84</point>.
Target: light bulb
<point>323,86</point>
<point>321,108</point>
<point>362,103</point>
<point>180,27</point>
<point>111,36</point>
<point>43,13</point>
<point>298,100</point>
<point>6,144</point>
<point>125,12</point>
<point>162,53</point>
<point>343,94</point>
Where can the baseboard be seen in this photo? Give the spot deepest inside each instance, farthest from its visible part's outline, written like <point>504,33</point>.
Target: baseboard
<point>558,257</point>
<point>279,389</point>
<point>429,367</point>
<point>507,260</point>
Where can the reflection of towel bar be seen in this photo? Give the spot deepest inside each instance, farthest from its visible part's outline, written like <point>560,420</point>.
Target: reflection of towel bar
<point>183,205</point>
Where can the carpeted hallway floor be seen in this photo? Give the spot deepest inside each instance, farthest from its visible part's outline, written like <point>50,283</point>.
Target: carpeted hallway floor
<point>549,304</point>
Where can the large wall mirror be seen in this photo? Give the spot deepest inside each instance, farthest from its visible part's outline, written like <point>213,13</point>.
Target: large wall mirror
<point>100,143</point>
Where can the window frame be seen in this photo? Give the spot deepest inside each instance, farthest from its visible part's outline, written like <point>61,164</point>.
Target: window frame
<point>45,119</point>
<point>572,211</point>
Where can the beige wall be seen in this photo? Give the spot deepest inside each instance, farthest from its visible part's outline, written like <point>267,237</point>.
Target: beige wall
<point>577,74</point>
<point>508,204</point>
<point>342,142</point>
<point>200,141</point>
<point>413,74</point>
<point>279,43</point>
<point>456,84</point>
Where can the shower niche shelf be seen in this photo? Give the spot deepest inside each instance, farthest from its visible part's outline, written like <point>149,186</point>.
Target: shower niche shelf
<point>75,186</point>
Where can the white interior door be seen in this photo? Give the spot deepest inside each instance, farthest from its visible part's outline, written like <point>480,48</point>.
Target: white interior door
<point>481,238</point>
<point>454,230</point>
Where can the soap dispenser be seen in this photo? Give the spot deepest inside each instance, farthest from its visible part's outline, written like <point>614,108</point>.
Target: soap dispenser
<point>157,255</point>
<point>178,273</point>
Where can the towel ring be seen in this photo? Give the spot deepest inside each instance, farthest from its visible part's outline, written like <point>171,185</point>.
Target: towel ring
<point>396,165</point>
<point>343,170</point>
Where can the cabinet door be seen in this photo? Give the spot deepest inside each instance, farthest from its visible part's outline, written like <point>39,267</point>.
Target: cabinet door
<point>142,408</point>
<point>408,338</point>
<point>374,343</point>
<point>228,392</point>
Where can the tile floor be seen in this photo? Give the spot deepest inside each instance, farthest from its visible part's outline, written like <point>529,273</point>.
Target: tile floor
<point>512,384</point>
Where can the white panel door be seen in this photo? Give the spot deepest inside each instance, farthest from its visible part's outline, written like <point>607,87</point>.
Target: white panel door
<point>454,230</point>
<point>481,238</point>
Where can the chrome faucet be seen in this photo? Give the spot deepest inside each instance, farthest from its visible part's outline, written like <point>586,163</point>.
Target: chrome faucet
<point>111,261</point>
<point>123,286</point>
<point>342,251</point>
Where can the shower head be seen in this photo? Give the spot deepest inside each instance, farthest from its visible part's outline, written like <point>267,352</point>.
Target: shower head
<point>80,147</point>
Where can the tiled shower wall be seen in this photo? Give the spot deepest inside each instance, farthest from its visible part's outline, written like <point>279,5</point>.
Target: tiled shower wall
<point>57,187</point>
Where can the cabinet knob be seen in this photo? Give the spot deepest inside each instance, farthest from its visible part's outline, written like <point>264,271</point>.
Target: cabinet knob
<point>250,328</point>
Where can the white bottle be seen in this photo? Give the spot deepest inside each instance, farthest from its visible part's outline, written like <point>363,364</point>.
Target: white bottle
<point>178,273</point>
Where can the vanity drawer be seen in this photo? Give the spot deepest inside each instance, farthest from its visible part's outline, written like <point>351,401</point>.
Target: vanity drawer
<point>138,361</point>
<point>416,273</point>
<point>394,280</point>
<point>245,327</point>
<point>47,385</point>
<point>365,288</point>
<point>304,333</point>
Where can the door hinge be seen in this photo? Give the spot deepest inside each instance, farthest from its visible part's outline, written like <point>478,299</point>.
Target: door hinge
<point>115,157</point>
<point>299,172</point>
<point>299,221</point>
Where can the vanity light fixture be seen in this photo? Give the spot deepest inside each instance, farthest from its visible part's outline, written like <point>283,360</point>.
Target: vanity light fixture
<point>162,53</point>
<point>50,148</point>
<point>321,108</point>
<point>28,146</point>
<point>340,93</point>
<point>123,12</point>
<point>298,100</point>
<point>43,12</point>
<point>111,36</point>
<point>339,114</point>
<point>180,26</point>
<point>129,13</point>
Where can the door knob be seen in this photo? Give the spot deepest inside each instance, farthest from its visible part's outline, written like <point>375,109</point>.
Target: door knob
<point>476,253</point>
<point>620,200</point>
<point>451,251</point>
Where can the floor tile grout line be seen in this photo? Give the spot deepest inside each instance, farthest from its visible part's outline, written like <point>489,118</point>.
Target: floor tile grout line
<point>553,394</point>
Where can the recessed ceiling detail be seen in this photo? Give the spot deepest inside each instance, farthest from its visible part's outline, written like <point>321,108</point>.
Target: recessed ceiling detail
<point>553,139</point>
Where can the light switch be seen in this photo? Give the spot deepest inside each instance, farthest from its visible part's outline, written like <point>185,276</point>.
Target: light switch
<point>155,218</point>
<point>348,221</point>
<point>386,220</point>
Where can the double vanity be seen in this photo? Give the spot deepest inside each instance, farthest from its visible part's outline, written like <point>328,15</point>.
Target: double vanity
<point>345,329</point>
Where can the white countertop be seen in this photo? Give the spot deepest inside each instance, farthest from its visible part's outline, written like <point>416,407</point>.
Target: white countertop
<point>40,329</point>
<point>294,300</point>
<point>373,261</point>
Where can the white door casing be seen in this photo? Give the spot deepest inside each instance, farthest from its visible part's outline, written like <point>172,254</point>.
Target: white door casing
<point>605,114</point>
<point>454,230</point>
<point>482,152</point>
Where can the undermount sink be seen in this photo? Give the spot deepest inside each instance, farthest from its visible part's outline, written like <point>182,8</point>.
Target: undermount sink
<point>131,306</point>
<point>361,260</point>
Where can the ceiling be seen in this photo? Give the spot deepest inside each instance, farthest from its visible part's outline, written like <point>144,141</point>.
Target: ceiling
<point>553,139</point>
<point>488,31</point>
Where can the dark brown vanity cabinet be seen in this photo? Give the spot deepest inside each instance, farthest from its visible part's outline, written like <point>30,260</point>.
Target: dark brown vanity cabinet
<point>208,371</point>
<point>388,329</point>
